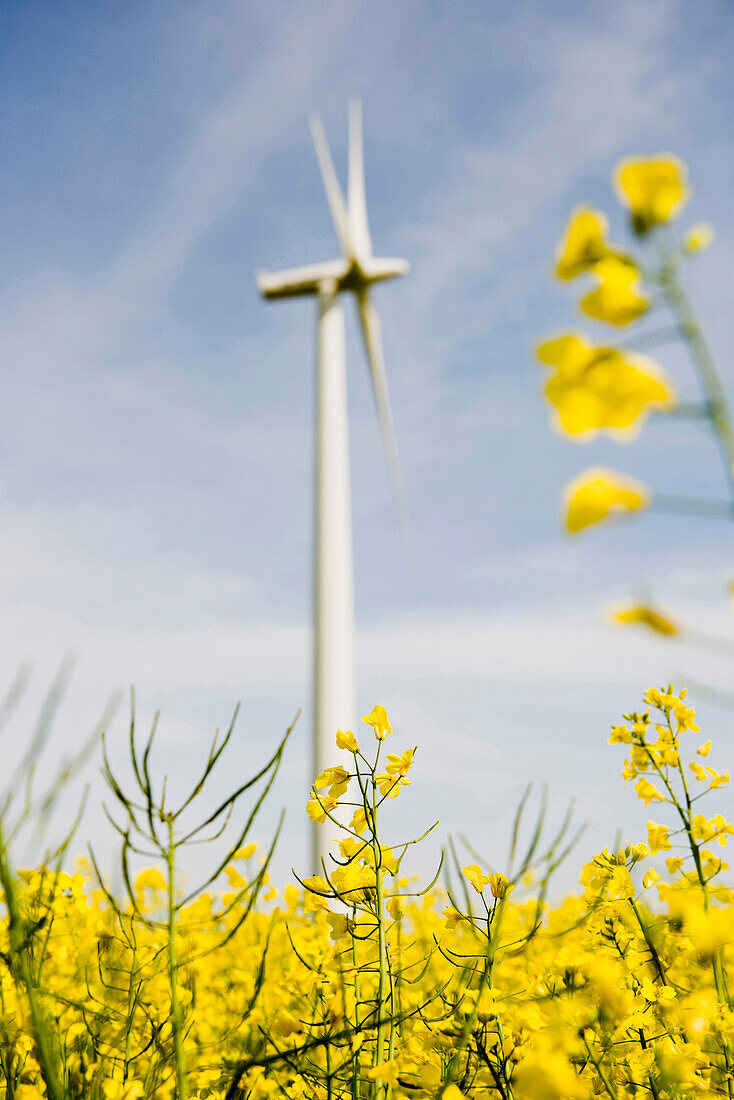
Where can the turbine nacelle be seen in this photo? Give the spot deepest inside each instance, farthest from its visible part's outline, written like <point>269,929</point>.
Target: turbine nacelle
<point>334,275</point>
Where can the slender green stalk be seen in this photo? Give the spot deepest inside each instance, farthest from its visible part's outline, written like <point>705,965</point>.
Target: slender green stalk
<point>131,996</point>
<point>708,373</point>
<point>381,943</point>
<point>685,814</point>
<point>23,975</point>
<point>609,1087</point>
<point>692,506</point>
<point>173,967</point>
<point>356,1075</point>
<point>494,925</point>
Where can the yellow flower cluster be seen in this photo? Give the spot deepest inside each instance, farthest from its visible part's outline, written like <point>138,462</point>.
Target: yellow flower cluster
<point>600,388</point>
<point>361,985</point>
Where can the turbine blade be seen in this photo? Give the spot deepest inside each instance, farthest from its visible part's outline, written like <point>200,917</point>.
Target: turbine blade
<point>371,331</point>
<point>334,195</point>
<point>357,202</point>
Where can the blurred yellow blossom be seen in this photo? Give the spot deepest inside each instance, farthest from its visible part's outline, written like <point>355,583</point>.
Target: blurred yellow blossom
<point>548,1075</point>
<point>452,915</point>
<point>397,907</point>
<point>583,244</point>
<point>616,298</point>
<point>698,238</point>
<point>598,493</point>
<point>150,879</point>
<point>647,792</point>
<point>387,1072</point>
<point>245,853</point>
<point>597,388</point>
<point>718,779</point>
<point>646,616</point>
<point>657,837</point>
<point>654,190</point>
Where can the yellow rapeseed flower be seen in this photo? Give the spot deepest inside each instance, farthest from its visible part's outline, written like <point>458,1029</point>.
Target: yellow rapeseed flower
<point>548,1075</point>
<point>359,821</point>
<point>583,244</point>
<point>698,238</point>
<point>616,298</point>
<point>647,792</point>
<point>718,779</point>
<point>596,388</point>
<point>150,879</point>
<point>335,778</point>
<point>657,837</point>
<point>500,885</point>
<point>247,852</point>
<point>654,190</point>
<point>317,884</point>
<point>452,915</point>
<point>597,493</point>
<point>386,1071</point>
<point>476,877</point>
<point>396,771</point>
<point>390,784</point>
<point>377,718</point>
<point>397,907</point>
<point>317,808</point>
<point>646,616</point>
<point>345,739</point>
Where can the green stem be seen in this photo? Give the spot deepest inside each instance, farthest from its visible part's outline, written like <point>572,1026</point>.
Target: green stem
<point>452,1070</point>
<point>21,969</point>
<point>356,1077</point>
<point>173,968</point>
<point>129,1017</point>
<point>602,1075</point>
<point>692,506</point>
<point>690,327</point>
<point>381,943</point>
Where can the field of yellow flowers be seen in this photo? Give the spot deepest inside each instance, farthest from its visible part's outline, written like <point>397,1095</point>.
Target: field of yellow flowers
<point>361,982</point>
<point>358,982</point>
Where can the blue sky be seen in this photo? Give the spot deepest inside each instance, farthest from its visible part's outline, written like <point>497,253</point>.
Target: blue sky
<point>156,421</point>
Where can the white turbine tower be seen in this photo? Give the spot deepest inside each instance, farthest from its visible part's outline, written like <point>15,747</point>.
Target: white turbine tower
<point>356,271</point>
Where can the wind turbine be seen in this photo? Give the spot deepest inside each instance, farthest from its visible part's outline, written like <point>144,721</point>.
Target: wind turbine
<point>333,587</point>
